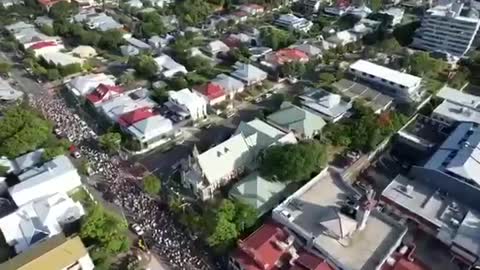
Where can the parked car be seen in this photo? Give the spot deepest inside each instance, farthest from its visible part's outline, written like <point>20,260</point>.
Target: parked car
<point>76,154</point>
<point>137,229</point>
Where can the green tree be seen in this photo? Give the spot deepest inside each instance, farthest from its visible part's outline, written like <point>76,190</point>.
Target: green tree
<point>152,184</point>
<point>89,38</point>
<point>178,83</point>
<point>293,162</point>
<point>376,5</point>
<point>111,39</point>
<point>192,12</point>
<point>53,74</point>
<point>152,24</point>
<point>422,64</point>
<point>224,234</point>
<point>4,170</point>
<point>276,38</point>
<point>245,216</point>
<point>111,141</point>
<point>61,10</point>
<point>47,30</point>
<point>126,78</point>
<point>405,32</point>
<point>52,152</point>
<point>390,46</point>
<point>5,68</point>
<point>327,78</point>
<point>70,69</point>
<point>197,62</point>
<point>144,65</point>
<point>293,69</point>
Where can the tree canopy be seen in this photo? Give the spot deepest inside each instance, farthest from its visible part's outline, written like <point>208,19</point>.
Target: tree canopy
<point>144,65</point>
<point>152,184</point>
<point>5,67</point>
<point>152,24</point>
<point>111,39</point>
<point>293,69</point>
<point>22,131</point>
<point>422,64</point>
<point>61,10</point>
<point>192,12</point>
<point>276,38</point>
<point>293,162</point>
<point>111,141</point>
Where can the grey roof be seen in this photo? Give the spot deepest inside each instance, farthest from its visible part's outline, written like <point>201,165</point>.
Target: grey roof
<point>459,106</point>
<point>468,235</point>
<point>309,49</point>
<point>460,153</point>
<point>103,22</point>
<point>7,92</point>
<point>259,193</point>
<point>129,50</point>
<point>248,73</point>
<point>326,103</point>
<point>28,160</point>
<point>44,20</point>
<point>138,44</point>
<point>297,119</point>
<point>228,83</point>
<point>33,230</point>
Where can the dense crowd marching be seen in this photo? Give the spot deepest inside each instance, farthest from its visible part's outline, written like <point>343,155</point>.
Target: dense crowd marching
<point>166,237</point>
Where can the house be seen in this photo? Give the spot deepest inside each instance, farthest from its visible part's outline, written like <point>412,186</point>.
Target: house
<point>168,67</point>
<point>160,3</point>
<point>351,233</point>
<point>443,217</point>
<point>310,50</point>
<point>103,93</point>
<point>303,123</point>
<point>230,85</point>
<point>43,20</point>
<point>58,252</point>
<point>83,85</point>
<point>129,50</point>
<point>47,4</point>
<point>84,52</point>
<point>102,22</point>
<point>157,42</point>
<point>361,11</point>
<point>117,106</point>
<point>398,84</point>
<point>272,245</point>
<point>44,47</point>
<point>27,161</point>
<point>311,6</point>
<point>56,176</point>
<point>204,173</point>
<point>396,13</point>
<point>258,52</point>
<point>252,9</point>
<point>216,47</point>
<point>236,40</point>
<point>7,93</point>
<point>151,131</point>
<point>294,23</point>
<point>248,74</point>
<point>456,107</point>
<point>9,3</point>
<point>61,59</point>
<point>134,4</point>
<point>191,103</point>
<point>19,27</point>
<point>343,38</point>
<point>329,106</point>
<point>283,56</point>
<point>140,45</point>
<point>38,220</point>
<point>261,194</point>
<point>212,93</point>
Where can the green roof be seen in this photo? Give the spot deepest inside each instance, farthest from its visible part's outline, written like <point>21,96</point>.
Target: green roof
<point>297,119</point>
<point>55,253</point>
<point>256,191</point>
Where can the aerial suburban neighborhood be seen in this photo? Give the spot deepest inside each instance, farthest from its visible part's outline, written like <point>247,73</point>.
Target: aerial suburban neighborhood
<point>239,134</point>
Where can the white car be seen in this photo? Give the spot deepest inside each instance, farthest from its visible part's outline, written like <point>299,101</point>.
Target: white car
<point>76,154</point>
<point>137,229</point>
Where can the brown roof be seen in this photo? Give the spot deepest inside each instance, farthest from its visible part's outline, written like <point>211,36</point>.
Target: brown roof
<point>54,253</point>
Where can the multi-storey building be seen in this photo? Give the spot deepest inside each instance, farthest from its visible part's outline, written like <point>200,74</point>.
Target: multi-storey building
<point>449,28</point>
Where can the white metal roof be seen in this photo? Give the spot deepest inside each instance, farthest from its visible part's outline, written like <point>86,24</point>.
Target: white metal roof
<point>83,85</point>
<point>151,127</point>
<point>388,74</point>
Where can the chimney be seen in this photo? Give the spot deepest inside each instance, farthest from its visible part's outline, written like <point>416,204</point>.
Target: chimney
<point>367,203</point>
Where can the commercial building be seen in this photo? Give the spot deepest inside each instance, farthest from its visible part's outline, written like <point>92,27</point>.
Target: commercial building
<point>457,107</point>
<point>398,84</point>
<point>449,28</point>
<point>294,23</point>
<point>204,173</point>
<point>56,253</point>
<point>56,176</point>
<point>348,233</point>
<point>329,106</point>
<point>271,246</point>
<point>190,103</point>
<point>436,213</point>
<point>454,167</point>
<point>38,220</point>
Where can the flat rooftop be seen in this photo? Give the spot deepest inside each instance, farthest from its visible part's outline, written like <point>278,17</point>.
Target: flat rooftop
<point>426,202</point>
<point>314,212</point>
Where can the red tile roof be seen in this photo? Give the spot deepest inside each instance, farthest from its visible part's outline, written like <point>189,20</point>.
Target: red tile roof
<point>286,55</point>
<point>261,251</point>
<point>103,92</point>
<point>137,115</point>
<point>43,44</point>
<point>48,3</point>
<point>210,90</point>
<point>232,42</point>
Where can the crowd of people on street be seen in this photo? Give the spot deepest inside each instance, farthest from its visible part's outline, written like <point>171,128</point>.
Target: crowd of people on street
<point>162,233</point>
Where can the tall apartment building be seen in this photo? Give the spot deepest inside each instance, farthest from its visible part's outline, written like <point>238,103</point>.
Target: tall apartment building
<point>448,28</point>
